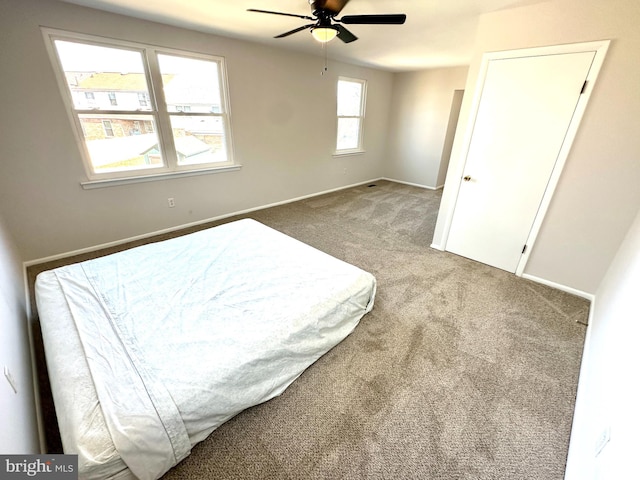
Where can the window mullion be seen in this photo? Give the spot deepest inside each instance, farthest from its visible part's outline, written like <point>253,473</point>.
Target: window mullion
<point>103,111</point>
<point>196,114</point>
<point>167,145</point>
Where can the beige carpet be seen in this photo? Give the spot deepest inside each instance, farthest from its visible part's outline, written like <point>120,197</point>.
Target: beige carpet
<point>461,371</point>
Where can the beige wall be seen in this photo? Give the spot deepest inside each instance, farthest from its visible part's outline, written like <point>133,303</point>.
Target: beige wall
<point>598,195</point>
<point>283,120</point>
<point>608,395</point>
<point>18,431</point>
<point>420,114</point>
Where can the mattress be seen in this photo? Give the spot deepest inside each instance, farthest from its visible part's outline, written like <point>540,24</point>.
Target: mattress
<point>151,349</point>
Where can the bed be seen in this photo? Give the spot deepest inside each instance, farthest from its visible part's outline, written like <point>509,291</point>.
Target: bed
<point>151,349</point>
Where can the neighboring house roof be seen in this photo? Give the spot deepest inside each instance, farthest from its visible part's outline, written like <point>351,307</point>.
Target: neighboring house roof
<point>113,150</point>
<point>189,146</point>
<point>114,81</point>
<point>118,149</point>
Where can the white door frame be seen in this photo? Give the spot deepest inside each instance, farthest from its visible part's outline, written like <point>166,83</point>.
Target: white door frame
<point>600,49</point>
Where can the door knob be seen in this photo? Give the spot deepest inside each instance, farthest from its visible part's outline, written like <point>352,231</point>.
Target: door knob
<point>466,178</point>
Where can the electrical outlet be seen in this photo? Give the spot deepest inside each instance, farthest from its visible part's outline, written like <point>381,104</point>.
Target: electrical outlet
<point>171,201</point>
<point>602,440</point>
<point>9,377</point>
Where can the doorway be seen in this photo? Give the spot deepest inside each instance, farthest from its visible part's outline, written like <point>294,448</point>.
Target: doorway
<point>454,115</point>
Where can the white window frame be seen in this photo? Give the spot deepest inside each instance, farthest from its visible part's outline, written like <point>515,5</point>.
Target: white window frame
<point>360,117</point>
<point>159,111</point>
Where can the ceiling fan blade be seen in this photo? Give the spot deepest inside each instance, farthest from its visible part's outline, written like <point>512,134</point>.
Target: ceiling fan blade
<point>392,19</point>
<point>345,35</point>
<point>332,6</point>
<point>296,30</point>
<point>280,13</point>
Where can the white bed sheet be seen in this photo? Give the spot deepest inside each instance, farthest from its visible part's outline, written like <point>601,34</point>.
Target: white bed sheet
<point>149,350</point>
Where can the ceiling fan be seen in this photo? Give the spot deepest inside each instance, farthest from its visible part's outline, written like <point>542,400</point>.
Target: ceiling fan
<point>326,27</point>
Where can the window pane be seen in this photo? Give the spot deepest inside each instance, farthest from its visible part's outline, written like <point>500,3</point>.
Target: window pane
<point>199,139</point>
<point>104,78</point>
<point>348,133</point>
<point>190,85</point>
<point>349,98</point>
<point>120,142</point>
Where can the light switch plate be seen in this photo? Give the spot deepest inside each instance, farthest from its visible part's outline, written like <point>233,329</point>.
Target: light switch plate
<point>10,379</point>
<point>602,440</point>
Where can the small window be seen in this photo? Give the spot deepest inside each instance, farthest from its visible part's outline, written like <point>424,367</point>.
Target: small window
<point>121,115</point>
<point>108,128</point>
<point>143,99</point>
<point>350,108</point>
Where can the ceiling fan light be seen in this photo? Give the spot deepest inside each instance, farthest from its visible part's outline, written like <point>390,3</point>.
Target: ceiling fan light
<point>324,34</point>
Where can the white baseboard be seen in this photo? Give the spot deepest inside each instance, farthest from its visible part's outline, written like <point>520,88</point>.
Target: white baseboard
<point>411,184</point>
<point>558,286</point>
<point>187,225</point>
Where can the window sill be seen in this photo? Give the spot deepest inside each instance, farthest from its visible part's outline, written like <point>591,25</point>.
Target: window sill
<point>112,182</point>
<point>344,153</point>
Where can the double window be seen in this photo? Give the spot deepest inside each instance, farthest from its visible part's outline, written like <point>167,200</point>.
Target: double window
<point>351,101</point>
<point>140,110</point>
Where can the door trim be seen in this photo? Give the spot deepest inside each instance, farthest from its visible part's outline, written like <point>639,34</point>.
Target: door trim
<point>600,48</point>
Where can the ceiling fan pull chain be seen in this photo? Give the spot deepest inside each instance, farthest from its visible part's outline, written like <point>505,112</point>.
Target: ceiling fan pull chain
<point>325,47</point>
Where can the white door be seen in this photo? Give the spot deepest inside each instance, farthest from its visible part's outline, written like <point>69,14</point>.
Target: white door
<point>524,113</point>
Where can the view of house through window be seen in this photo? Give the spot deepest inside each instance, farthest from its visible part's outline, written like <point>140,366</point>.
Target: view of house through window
<point>121,121</point>
<point>351,101</point>
<point>191,87</point>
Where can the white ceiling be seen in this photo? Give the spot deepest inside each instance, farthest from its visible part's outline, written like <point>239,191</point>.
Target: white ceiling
<point>437,33</point>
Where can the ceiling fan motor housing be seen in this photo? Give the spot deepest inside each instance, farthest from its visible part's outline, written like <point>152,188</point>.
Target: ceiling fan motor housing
<point>331,6</point>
